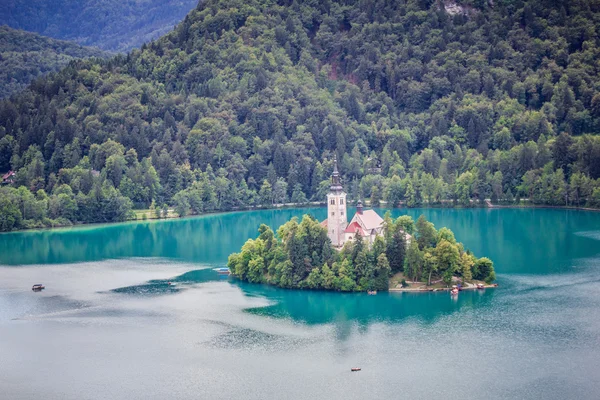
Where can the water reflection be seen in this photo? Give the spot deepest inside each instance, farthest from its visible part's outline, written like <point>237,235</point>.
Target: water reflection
<point>317,307</point>
<point>208,239</point>
<point>321,307</point>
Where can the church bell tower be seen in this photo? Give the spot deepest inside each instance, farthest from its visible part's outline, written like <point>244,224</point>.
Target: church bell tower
<point>337,220</point>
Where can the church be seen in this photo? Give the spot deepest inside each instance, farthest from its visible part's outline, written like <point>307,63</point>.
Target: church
<point>366,223</point>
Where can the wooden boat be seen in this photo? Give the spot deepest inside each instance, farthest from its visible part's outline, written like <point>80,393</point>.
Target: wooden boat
<point>454,292</point>
<point>38,287</point>
<point>371,292</point>
<point>480,286</point>
<point>355,369</point>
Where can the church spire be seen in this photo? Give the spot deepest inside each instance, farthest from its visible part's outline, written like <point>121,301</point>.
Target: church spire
<point>336,184</point>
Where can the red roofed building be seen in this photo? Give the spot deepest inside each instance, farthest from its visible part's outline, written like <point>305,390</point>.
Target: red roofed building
<point>368,224</point>
<point>352,230</point>
<point>8,178</point>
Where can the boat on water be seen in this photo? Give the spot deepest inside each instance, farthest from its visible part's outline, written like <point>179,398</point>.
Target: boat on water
<point>38,287</point>
<point>454,292</point>
<point>480,286</point>
<point>372,292</point>
<point>223,271</point>
<point>354,369</point>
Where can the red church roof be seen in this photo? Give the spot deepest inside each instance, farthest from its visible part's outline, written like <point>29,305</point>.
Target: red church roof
<point>353,228</point>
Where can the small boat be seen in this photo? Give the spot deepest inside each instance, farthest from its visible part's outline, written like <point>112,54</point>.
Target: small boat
<point>480,286</point>
<point>38,287</point>
<point>454,292</point>
<point>372,292</point>
<point>223,271</point>
<point>354,369</point>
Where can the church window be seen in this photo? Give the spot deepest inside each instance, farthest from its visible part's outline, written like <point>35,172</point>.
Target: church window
<point>342,213</point>
<point>332,202</point>
<point>342,202</point>
<point>332,213</point>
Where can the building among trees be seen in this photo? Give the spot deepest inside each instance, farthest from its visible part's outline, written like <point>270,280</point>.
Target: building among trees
<point>366,223</point>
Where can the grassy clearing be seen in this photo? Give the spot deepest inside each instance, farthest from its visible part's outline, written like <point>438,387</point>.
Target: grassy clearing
<point>150,214</point>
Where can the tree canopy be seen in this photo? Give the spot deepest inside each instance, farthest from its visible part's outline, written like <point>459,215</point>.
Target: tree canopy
<point>25,56</point>
<point>246,102</point>
<point>113,25</point>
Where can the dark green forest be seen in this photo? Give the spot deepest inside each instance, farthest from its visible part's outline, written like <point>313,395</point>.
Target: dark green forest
<point>25,56</point>
<point>246,102</point>
<point>113,25</point>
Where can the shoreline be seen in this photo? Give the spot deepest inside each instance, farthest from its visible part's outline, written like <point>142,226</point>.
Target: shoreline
<point>429,290</point>
<point>302,205</point>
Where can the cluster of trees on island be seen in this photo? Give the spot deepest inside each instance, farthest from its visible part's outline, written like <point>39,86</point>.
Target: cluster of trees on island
<point>246,102</point>
<point>301,256</point>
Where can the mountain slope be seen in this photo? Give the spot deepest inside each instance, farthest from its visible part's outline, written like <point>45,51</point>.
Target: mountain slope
<point>25,56</point>
<point>108,24</point>
<point>246,102</point>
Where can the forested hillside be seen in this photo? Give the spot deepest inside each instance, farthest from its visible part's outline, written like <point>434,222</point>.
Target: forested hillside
<point>114,25</point>
<point>25,56</point>
<point>246,103</point>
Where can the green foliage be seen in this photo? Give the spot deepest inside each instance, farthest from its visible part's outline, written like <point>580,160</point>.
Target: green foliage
<point>483,269</point>
<point>439,254</point>
<point>26,56</point>
<point>246,102</point>
<point>108,24</point>
<point>20,209</point>
<point>10,215</point>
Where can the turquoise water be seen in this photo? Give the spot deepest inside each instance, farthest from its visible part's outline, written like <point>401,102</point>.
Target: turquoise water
<point>110,326</point>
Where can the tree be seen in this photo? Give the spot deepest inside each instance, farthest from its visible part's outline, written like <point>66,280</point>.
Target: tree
<point>375,197</point>
<point>406,223</point>
<point>10,215</point>
<point>426,234</point>
<point>381,278</point>
<point>447,256</point>
<point>561,151</point>
<point>182,205</point>
<point>266,193</point>
<point>396,249</point>
<point>467,262</point>
<point>394,191</point>
<point>483,270</point>
<point>430,264</point>
<point>298,196</point>
<point>280,191</point>
<point>414,263</point>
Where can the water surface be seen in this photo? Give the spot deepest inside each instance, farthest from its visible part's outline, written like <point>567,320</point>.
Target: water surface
<point>110,326</point>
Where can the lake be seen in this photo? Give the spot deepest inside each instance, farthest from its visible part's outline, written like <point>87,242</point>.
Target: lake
<point>109,326</point>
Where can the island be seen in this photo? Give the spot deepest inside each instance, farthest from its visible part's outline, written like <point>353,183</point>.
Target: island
<point>368,254</point>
